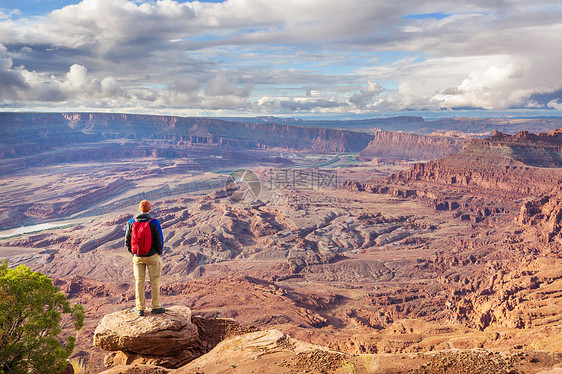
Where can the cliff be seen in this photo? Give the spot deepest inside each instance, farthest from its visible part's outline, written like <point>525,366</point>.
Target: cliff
<point>178,340</point>
<point>543,215</point>
<point>232,348</point>
<point>23,134</point>
<point>397,145</point>
<point>523,164</point>
<point>36,139</point>
<point>213,131</point>
<point>28,139</point>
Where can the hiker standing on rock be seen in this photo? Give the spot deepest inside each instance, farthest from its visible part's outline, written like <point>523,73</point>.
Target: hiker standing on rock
<point>145,241</point>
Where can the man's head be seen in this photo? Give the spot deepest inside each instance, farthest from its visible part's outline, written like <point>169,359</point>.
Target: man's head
<point>144,206</point>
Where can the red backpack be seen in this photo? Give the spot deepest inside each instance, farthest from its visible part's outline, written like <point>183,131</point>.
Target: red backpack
<point>141,238</point>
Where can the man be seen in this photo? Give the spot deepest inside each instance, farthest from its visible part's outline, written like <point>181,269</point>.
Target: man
<point>145,241</point>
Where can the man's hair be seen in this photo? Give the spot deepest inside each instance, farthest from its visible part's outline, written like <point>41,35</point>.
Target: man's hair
<point>145,206</point>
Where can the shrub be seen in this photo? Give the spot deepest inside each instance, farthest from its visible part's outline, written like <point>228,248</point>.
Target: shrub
<point>30,315</point>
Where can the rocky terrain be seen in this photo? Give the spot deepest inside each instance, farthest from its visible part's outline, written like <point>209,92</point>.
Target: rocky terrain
<point>510,167</point>
<point>450,265</point>
<point>271,351</point>
<point>123,147</point>
<point>400,295</point>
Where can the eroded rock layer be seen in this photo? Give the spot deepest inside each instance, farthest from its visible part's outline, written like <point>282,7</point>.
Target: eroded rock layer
<point>412,146</point>
<point>523,164</point>
<point>35,139</point>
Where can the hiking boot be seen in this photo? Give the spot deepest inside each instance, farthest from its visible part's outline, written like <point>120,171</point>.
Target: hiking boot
<point>139,312</point>
<point>158,311</point>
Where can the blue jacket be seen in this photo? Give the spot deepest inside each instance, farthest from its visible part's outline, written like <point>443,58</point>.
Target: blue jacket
<point>155,230</point>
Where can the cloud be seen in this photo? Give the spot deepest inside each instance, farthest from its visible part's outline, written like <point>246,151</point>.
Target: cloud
<point>284,105</point>
<point>76,77</point>
<point>284,56</point>
<point>19,84</point>
<point>554,104</point>
<point>220,85</point>
<point>10,80</point>
<point>543,98</point>
<point>365,96</point>
<point>483,89</point>
<point>110,87</point>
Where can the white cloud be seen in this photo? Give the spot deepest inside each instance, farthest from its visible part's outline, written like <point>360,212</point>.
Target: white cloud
<point>483,89</point>
<point>76,77</point>
<point>220,86</point>
<point>362,99</point>
<point>110,87</point>
<point>288,104</point>
<point>21,84</point>
<point>5,61</point>
<point>555,105</point>
<point>268,55</point>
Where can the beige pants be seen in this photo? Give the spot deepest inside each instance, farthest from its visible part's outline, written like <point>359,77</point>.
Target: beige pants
<point>154,265</point>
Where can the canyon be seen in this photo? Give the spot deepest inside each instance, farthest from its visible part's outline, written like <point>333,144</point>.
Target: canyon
<point>396,252</point>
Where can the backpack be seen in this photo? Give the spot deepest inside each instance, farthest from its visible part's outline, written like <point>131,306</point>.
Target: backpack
<point>141,238</point>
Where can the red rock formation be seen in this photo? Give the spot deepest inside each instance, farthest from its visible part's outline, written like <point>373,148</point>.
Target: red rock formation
<point>30,139</point>
<point>169,334</point>
<point>522,165</point>
<point>217,132</point>
<point>544,215</point>
<point>404,146</point>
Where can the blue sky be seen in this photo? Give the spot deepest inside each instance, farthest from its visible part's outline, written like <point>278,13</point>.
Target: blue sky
<point>314,58</point>
<point>434,15</point>
<point>34,7</point>
<point>41,7</point>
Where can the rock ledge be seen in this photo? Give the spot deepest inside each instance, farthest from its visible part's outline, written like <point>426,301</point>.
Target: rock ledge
<point>166,334</point>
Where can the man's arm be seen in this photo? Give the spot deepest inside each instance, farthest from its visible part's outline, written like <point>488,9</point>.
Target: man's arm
<point>128,236</point>
<point>158,237</point>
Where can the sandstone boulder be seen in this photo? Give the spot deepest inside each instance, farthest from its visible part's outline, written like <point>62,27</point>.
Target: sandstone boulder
<point>166,334</point>
<point>261,351</point>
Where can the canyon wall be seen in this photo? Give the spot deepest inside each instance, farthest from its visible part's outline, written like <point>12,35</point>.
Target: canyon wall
<point>24,134</point>
<point>214,131</point>
<point>523,164</point>
<point>32,139</point>
<point>411,146</point>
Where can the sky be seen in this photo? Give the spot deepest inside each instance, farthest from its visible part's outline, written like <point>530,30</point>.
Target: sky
<point>294,58</point>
